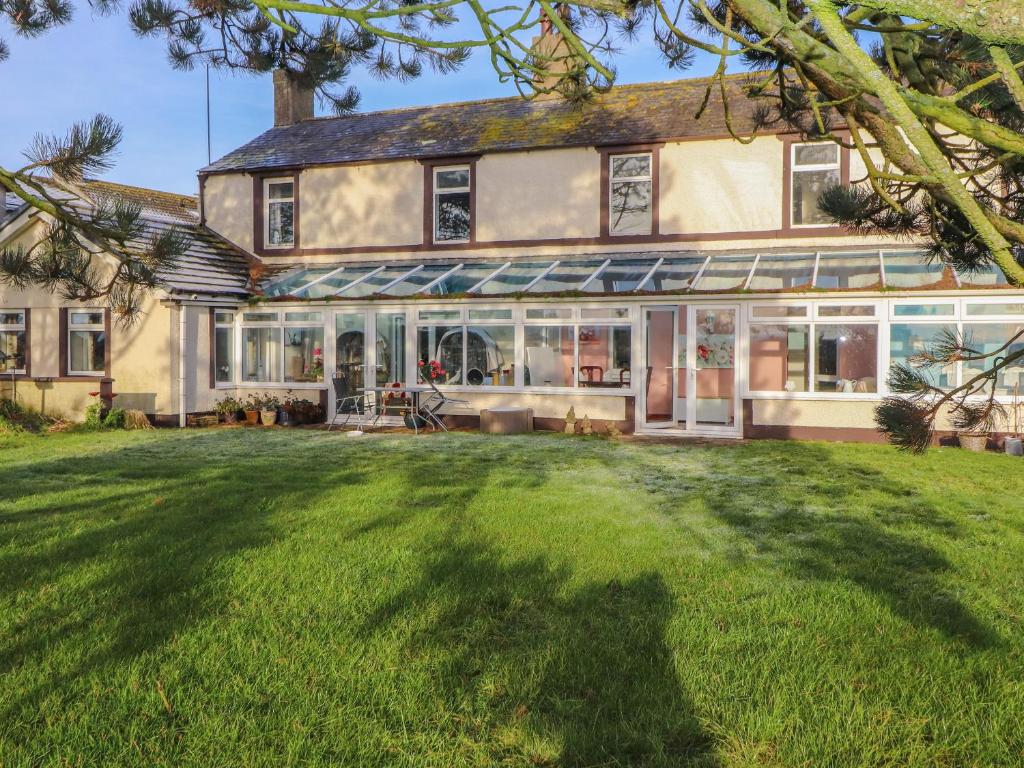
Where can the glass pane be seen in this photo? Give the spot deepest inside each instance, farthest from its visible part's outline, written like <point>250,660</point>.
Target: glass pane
<point>907,340</point>
<point>490,355</point>
<point>87,351</point>
<point>674,274</point>
<point>725,273</point>
<point>924,310</point>
<point>456,178</point>
<point>415,282</point>
<point>605,356</point>
<point>350,352</point>
<point>995,309</point>
<point>224,318</point>
<point>631,166</point>
<point>304,354</point>
<point>442,343</point>
<point>567,276</point>
<point>86,318</point>
<point>775,273</point>
<point>390,348</point>
<point>630,210</point>
<point>550,355</point>
<point>910,270</point>
<point>261,354</point>
<point>857,270</point>
<point>807,187</point>
<point>846,310</point>
<point>280,190</point>
<point>463,279</point>
<point>514,278</point>
<point>780,310</point>
<point>824,153</point>
<point>224,355</point>
<point>259,317</point>
<point>778,358</point>
<point>660,365</point>
<point>375,283</point>
<point>989,274</point>
<point>847,358</point>
<point>715,331</point>
<point>987,338</point>
<point>307,317</point>
<point>490,314</point>
<point>599,313</point>
<point>284,285</point>
<point>451,220</point>
<point>334,284</point>
<point>280,223</point>
<point>440,314</point>
<point>12,350</point>
<point>12,318</point>
<point>560,313</point>
<point>621,276</point>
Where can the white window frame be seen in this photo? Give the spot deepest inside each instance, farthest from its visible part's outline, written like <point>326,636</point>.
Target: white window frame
<point>613,180</point>
<point>15,328</point>
<point>268,201</point>
<point>100,327</point>
<point>794,169</point>
<point>437,193</point>
<point>231,325</point>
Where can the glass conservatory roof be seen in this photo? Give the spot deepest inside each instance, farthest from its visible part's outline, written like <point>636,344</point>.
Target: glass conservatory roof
<point>634,273</point>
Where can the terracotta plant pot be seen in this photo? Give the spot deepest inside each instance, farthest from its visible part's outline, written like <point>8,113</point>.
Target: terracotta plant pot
<point>252,417</point>
<point>974,441</point>
<point>269,418</point>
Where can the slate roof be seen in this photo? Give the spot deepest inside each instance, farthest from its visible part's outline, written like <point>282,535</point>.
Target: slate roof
<point>9,205</point>
<point>627,114</point>
<point>211,266</point>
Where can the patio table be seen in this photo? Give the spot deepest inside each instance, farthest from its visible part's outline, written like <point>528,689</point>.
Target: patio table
<point>415,391</point>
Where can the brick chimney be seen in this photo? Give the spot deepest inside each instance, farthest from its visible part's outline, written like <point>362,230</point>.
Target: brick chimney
<point>292,102</point>
<point>553,52</point>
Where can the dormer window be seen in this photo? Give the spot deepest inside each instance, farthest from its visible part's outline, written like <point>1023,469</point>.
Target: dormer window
<point>815,167</point>
<point>452,204</point>
<point>279,199</point>
<point>630,194</point>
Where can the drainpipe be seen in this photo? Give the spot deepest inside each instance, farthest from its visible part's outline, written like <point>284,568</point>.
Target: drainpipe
<point>181,365</point>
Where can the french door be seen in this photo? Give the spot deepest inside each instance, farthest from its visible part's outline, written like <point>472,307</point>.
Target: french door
<point>692,377</point>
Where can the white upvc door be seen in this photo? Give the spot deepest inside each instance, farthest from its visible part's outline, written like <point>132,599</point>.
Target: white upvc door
<point>660,398</point>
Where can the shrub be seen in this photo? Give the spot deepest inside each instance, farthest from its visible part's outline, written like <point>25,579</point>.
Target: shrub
<point>94,416</point>
<point>15,417</point>
<point>115,419</point>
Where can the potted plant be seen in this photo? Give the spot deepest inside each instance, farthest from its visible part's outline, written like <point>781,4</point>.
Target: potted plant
<point>1013,445</point>
<point>228,409</point>
<point>974,441</point>
<point>252,409</point>
<point>268,409</point>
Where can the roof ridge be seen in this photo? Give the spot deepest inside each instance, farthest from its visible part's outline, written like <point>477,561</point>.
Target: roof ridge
<point>116,185</point>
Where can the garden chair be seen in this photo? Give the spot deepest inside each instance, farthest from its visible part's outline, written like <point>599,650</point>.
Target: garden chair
<point>430,408</point>
<point>348,404</point>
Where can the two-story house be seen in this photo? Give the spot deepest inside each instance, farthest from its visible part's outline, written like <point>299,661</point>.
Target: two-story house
<point>620,257</point>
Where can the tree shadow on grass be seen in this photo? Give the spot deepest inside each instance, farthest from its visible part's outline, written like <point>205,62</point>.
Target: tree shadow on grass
<point>824,520</point>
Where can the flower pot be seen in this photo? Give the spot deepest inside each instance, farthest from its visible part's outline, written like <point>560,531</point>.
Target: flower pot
<point>269,418</point>
<point>252,417</point>
<point>285,419</point>
<point>230,417</point>
<point>974,441</point>
<point>1014,446</point>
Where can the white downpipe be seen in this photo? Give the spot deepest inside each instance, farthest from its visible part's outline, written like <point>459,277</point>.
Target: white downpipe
<point>182,317</point>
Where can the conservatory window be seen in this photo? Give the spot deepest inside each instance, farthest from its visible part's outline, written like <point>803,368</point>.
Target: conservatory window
<point>350,351</point>
<point>550,355</point>
<point>630,194</point>
<point>857,270</point>
<point>775,273</point>
<point>490,355</point>
<point>846,310</point>
<point>674,274</point>
<point>909,339</point>
<point>87,342</point>
<point>279,195</point>
<point>549,313</point>
<point>390,347</point>
<point>815,168</point>
<point>452,201</point>
<point>304,354</point>
<point>604,355</point>
<point>12,341</point>
<point>261,354</point>
<point>987,338</point>
<point>445,344</point>
<point>995,309</point>
<point>224,347</point>
<point>778,310</point>
<point>779,357</point>
<point>924,310</point>
<point>846,358</point>
<point>725,273</point>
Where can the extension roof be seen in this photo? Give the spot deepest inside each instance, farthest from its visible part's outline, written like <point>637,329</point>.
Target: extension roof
<point>627,114</point>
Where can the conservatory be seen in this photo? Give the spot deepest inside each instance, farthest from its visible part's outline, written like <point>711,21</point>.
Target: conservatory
<point>673,342</point>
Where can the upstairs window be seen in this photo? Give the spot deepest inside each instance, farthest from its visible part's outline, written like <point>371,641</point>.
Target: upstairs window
<point>279,199</point>
<point>12,341</point>
<point>630,194</point>
<point>815,167</point>
<point>87,342</point>
<point>452,204</point>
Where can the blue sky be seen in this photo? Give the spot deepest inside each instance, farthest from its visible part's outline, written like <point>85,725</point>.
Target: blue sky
<point>98,65</point>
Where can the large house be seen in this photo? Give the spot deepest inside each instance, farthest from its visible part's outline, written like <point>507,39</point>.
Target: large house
<point>622,257</point>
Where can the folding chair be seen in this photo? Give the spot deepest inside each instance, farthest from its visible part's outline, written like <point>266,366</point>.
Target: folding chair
<point>430,409</point>
<point>349,404</point>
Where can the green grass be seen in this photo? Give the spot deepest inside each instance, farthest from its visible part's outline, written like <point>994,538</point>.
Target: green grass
<point>268,598</point>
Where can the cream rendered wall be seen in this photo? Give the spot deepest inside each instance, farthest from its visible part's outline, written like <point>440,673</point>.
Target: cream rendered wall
<point>857,414</point>
<point>227,202</point>
<point>546,406</point>
<point>538,195</point>
<point>721,186</point>
<point>361,205</point>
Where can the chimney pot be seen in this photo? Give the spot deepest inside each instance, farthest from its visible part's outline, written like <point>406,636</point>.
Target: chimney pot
<point>292,102</point>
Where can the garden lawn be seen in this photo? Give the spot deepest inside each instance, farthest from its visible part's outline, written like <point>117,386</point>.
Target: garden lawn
<point>251,597</point>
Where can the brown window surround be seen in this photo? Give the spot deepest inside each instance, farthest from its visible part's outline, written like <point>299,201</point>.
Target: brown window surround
<point>606,154</point>
<point>788,140</point>
<point>428,200</point>
<point>62,326</point>
<point>259,212</point>
<point>27,374</point>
